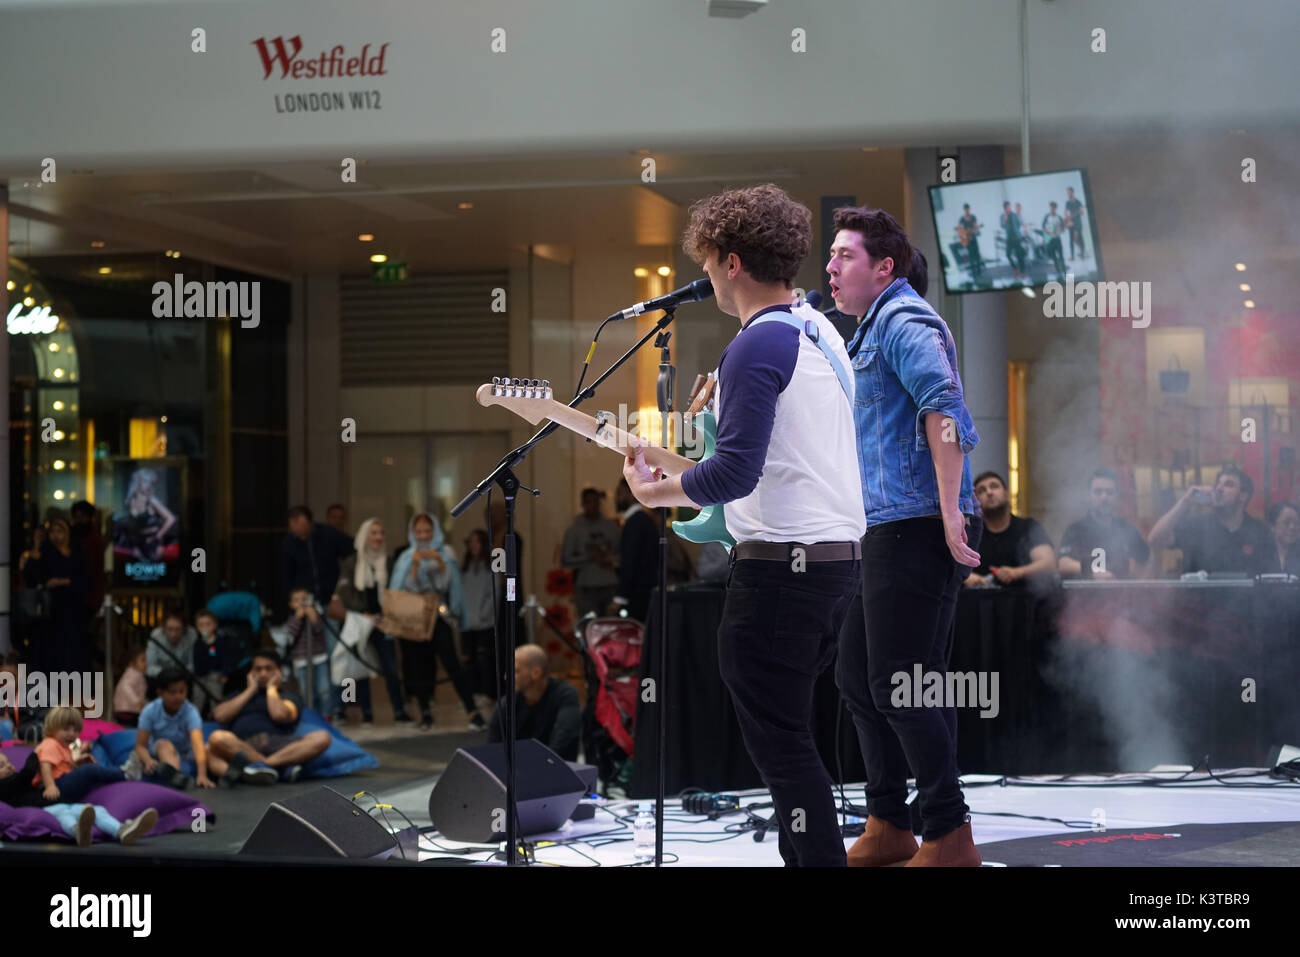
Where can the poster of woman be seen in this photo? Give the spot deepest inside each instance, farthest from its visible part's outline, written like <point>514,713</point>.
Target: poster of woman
<point>147,498</point>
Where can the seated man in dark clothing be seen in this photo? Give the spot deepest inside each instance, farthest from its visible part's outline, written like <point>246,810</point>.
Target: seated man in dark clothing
<point>259,743</point>
<point>545,707</point>
<point>1102,546</point>
<point>1224,539</point>
<point>1013,550</point>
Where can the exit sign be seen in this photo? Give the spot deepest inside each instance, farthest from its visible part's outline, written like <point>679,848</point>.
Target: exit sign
<point>388,272</point>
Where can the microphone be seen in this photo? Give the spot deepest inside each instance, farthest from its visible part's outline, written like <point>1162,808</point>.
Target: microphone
<point>814,299</point>
<point>692,292</point>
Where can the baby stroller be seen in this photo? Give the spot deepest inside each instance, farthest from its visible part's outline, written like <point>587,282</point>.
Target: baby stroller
<point>611,656</point>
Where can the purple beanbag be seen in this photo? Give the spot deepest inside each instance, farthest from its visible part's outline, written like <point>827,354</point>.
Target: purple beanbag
<point>123,799</point>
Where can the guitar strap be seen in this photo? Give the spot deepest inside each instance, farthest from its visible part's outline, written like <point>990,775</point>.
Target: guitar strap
<point>809,328</point>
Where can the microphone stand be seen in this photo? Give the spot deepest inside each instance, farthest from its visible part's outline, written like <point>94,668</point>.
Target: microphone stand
<point>503,476</point>
<point>664,393</point>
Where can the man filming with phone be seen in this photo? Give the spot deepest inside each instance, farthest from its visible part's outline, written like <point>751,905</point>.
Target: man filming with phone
<point>1224,539</point>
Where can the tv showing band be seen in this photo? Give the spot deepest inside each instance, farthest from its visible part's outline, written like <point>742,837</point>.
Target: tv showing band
<point>1015,232</point>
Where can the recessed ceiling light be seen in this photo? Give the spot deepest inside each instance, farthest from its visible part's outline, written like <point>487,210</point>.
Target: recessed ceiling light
<point>10,285</point>
<point>1241,267</point>
<point>97,244</point>
<point>366,237</point>
<point>54,347</point>
<point>1244,287</point>
<point>105,270</point>
<point>1029,291</point>
<point>58,405</point>
<point>29,301</point>
<point>58,374</point>
<point>163,419</point>
<point>1249,303</point>
<point>58,495</point>
<point>640,272</point>
<point>60,464</point>
<point>464,205</point>
<point>379,258</point>
<point>664,270</point>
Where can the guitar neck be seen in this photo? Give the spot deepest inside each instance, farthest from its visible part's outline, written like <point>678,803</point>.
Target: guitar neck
<point>535,408</point>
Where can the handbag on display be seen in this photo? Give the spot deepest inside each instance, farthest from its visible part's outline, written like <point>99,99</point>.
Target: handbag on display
<point>408,615</point>
<point>34,604</point>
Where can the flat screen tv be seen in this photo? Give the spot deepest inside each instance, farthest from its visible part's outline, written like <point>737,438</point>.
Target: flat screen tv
<point>1005,233</point>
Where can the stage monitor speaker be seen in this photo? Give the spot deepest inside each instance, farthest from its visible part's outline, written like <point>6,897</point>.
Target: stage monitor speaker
<point>321,823</point>
<point>468,802</point>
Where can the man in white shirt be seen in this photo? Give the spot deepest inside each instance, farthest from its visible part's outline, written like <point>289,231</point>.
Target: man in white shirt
<point>786,466</point>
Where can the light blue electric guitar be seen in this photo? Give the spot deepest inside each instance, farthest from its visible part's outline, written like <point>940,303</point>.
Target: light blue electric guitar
<point>710,525</point>
<point>533,400</point>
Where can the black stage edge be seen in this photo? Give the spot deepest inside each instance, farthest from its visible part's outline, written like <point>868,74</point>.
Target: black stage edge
<point>338,903</point>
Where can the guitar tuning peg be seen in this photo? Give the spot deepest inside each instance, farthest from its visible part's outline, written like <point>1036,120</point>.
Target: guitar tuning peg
<point>546,388</point>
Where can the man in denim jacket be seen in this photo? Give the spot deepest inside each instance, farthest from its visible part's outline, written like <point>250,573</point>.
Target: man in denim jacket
<point>923,528</point>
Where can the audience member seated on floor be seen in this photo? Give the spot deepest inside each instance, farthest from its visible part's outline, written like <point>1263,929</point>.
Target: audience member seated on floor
<point>259,744</point>
<point>307,640</point>
<point>77,820</point>
<point>1102,546</point>
<point>545,707</point>
<point>1013,550</point>
<point>212,659</point>
<point>1223,539</point>
<point>63,775</point>
<point>171,644</point>
<point>170,733</point>
<point>131,689</point>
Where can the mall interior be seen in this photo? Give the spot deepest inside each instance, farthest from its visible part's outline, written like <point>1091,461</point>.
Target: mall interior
<point>433,195</point>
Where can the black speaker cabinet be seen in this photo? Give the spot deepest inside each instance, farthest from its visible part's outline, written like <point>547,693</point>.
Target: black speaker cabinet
<point>322,823</point>
<point>468,802</point>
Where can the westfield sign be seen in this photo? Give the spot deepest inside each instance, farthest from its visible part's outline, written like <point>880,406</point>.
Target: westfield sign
<point>332,63</point>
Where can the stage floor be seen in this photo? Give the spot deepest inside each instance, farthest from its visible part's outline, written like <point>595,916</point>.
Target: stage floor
<point>1095,820</point>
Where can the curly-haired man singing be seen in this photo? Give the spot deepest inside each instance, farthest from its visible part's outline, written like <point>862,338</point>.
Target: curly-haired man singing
<point>787,468</point>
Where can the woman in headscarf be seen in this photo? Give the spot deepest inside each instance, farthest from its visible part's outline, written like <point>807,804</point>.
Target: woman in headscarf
<point>60,569</point>
<point>363,577</point>
<point>429,566</point>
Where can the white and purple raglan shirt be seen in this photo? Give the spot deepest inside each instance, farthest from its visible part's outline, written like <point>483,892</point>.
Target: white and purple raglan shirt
<point>786,462</point>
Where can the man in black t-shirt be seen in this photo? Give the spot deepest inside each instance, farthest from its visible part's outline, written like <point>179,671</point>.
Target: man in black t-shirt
<point>1102,546</point>
<point>1224,540</point>
<point>970,239</point>
<point>1074,222</point>
<point>1013,550</point>
<point>258,741</point>
<point>545,709</point>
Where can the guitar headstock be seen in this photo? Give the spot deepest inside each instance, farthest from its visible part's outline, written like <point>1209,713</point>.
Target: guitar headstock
<point>530,399</point>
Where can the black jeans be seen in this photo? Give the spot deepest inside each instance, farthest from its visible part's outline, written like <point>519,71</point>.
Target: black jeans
<point>910,584</point>
<point>778,634</point>
<point>386,648</point>
<point>481,661</point>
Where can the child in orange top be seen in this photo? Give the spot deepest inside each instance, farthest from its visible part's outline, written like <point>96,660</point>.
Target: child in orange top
<point>63,777</point>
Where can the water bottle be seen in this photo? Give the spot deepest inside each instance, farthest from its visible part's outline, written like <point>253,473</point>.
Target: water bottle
<point>643,832</point>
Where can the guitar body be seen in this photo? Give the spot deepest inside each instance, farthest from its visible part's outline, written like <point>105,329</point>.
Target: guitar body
<point>710,525</point>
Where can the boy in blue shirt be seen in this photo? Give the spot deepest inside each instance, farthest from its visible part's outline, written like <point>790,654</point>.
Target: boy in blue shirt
<point>171,733</point>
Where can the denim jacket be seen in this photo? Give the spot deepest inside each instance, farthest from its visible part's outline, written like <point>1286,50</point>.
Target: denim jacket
<point>904,367</point>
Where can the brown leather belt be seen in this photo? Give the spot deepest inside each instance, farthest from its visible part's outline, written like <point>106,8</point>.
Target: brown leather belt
<point>783,551</point>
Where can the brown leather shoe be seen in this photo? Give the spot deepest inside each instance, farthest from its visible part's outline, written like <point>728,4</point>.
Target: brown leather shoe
<point>881,845</point>
<point>954,849</point>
